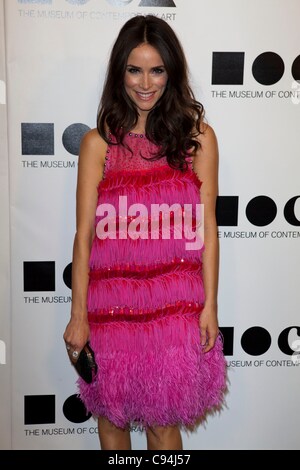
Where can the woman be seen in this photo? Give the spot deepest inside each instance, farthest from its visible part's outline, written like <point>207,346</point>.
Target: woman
<point>147,302</point>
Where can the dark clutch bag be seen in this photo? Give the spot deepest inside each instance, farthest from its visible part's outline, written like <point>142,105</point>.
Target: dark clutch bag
<point>86,365</point>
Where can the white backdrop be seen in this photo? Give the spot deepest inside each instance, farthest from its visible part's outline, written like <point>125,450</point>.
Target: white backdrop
<point>244,62</point>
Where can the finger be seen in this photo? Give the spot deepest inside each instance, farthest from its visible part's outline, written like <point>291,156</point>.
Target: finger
<point>65,337</point>
<point>73,354</point>
<point>210,344</point>
<point>203,335</point>
<point>69,346</point>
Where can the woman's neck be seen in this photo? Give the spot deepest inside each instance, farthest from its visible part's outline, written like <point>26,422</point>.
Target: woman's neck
<point>140,126</point>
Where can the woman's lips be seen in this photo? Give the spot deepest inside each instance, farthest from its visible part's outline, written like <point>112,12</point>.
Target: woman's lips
<point>145,96</point>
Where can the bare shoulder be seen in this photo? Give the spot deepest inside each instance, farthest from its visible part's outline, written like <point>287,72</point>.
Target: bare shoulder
<point>207,138</point>
<point>208,150</point>
<point>92,141</point>
<point>91,158</point>
<point>206,159</point>
<point>92,153</point>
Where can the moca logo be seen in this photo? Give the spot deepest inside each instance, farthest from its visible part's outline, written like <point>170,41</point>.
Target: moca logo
<point>267,68</point>
<point>260,211</point>
<point>257,340</point>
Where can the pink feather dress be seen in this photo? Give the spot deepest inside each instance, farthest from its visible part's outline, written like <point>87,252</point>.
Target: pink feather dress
<point>145,296</point>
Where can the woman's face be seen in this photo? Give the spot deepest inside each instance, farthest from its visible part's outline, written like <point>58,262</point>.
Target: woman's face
<point>145,77</point>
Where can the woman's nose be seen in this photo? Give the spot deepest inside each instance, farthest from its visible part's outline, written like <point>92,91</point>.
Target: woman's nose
<point>146,82</point>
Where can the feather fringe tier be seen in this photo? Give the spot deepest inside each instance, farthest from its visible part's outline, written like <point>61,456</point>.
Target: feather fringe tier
<point>154,373</point>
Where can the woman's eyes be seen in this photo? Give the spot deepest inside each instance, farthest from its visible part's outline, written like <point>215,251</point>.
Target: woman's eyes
<point>132,70</point>
<point>156,70</point>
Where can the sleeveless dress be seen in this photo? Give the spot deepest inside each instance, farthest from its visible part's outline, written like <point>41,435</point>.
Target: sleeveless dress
<point>145,296</point>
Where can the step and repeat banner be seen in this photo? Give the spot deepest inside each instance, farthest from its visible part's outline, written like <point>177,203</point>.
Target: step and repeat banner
<point>244,60</point>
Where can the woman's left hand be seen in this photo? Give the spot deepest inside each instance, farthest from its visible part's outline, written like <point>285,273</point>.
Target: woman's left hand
<point>209,328</point>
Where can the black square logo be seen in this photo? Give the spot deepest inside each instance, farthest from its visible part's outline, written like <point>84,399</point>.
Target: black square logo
<point>39,409</point>
<point>228,336</point>
<point>39,276</point>
<point>37,138</point>
<point>228,68</point>
<point>157,3</point>
<point>227,211</point>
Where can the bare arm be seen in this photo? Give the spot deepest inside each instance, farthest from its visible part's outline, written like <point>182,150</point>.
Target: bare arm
<point>206,166</point>
<point>90,171</point>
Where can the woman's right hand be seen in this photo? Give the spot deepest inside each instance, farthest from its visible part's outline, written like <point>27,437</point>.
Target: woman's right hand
<point>76,335</point>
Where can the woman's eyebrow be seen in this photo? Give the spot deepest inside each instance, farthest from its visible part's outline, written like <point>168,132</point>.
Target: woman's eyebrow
<point>140,68</point>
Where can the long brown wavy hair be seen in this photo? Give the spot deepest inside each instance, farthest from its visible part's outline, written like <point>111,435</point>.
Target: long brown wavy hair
<point>174,122</point>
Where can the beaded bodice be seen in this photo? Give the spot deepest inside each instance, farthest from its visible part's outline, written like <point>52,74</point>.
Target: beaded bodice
<point>135,157</point>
